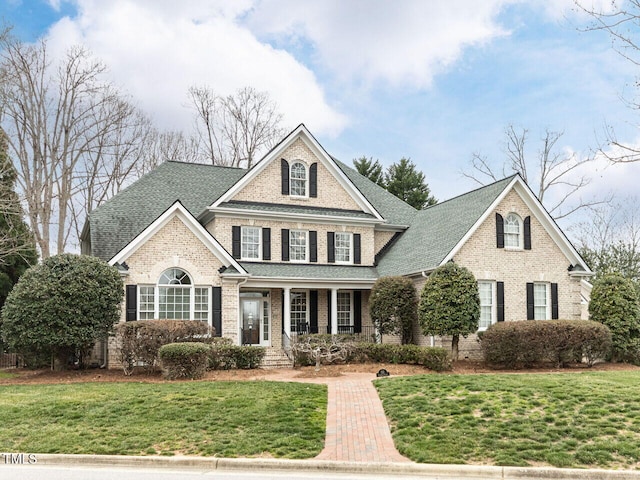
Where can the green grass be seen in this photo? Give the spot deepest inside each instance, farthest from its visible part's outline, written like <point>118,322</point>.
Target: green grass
<point>226,419</point>
<point>563,420</point>
<point>7,375</point>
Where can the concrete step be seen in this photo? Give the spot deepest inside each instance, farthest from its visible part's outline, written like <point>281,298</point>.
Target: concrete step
<point>276,358</point>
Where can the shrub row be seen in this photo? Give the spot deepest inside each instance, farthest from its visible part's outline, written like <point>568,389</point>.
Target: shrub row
<point>184,360</point>
<point>525,343</point>
<point>140,342</point>
<point>227,357</point>
<point>434,358</point>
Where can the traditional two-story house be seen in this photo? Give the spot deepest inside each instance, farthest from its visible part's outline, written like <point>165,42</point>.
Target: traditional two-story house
<point>295,244</point>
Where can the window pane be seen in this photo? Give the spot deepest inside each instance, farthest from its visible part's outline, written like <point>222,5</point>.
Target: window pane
<point>175,276</point>
<point>485,289</point>
<point>174,303</point>
<point>512,231</point>
<point>250,242</point>
<point>344,309</point>
<point>342,246</point>
<point>298,311</point>
<point>540,301</point>
<point>201,303</point>
<point>297,245</point>
<point>298,180</point>
<point>146,309</point>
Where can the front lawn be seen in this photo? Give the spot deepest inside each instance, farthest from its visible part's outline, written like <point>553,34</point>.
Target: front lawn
<point>564,420</point>
<point>226,419</point>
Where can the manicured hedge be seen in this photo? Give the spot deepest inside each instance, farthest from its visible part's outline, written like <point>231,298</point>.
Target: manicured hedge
<point>184,360</point>
<point>525,343</point>
<point>140,342</point>
<point>224,356</point>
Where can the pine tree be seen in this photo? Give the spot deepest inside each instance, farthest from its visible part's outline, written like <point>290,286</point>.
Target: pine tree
<point>405,182</point>
<point>17,247</point>
<point>371,169</point>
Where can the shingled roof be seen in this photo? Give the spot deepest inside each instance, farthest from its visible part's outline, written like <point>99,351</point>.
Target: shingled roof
<point>436,230</point>
<point>119,220</point>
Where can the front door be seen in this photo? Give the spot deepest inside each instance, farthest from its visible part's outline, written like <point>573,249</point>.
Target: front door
<point>251,321</point>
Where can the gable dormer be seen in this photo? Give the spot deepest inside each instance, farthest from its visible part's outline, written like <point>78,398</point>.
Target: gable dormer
<point>298,172</point>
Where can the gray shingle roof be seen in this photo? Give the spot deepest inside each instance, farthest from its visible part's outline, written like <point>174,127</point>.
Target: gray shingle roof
<point>297,270</point>
<point>119,220</point>
<point>435,231</point>
<point>283,208</point>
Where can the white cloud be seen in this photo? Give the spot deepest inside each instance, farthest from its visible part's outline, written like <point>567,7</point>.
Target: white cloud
<point>402,43</point>
<point>157,49</point>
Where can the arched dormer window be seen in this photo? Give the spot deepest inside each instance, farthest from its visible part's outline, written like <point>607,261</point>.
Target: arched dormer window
<point>298,179</point>
<point>513,231</point>
<point>174,292</point>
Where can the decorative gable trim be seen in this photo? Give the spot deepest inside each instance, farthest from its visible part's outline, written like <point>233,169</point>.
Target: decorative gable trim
<point>540,213</point>
<point>179,211</point>
<point>275,154</point>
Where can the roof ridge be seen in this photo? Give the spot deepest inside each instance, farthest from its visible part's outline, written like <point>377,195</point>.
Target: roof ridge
<point>470,192</point>
<point>184,162</point>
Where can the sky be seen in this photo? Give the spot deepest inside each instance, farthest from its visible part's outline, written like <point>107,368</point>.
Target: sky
<point>431,80</point>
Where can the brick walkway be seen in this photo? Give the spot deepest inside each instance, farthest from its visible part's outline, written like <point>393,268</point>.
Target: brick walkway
<point>357,428</point>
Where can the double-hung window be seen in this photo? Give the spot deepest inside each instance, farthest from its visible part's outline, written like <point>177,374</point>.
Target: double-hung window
<point>147,303</point>
<point>345,312</point>
<point>343,247</point>
<point>250,243</point>
<point>512,231</point>
<point>541,301</point>
<point>299,312</point>
<point>298,180</point>
<point>298,251</point>
<point>487,310</point>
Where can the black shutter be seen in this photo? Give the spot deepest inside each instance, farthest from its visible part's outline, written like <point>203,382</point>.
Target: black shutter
<point>328,311</point>
<point>357,311</point>
<point>530,310</point>
<point>217,310</point>
<point>236,241</point>
<point>500,300</point>
<point>284,174</point>
<point>313,246</point>
<point>554,301</point>
<point>266,244</point>
<point>527,233</point>
<point>357,259</point>
<point>331,249</point>
<point>499,231</point>
<point>132,303</point>
<point>285,244</point>
<point>313,180</point>
<point>313,311</point>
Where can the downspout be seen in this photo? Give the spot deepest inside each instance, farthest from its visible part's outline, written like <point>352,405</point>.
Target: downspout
<point>431,337</point>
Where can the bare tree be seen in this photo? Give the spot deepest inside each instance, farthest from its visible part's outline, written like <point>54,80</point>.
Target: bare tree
<point>70,132</point>
<point>554,176</point>
<point>621,21</point>
<point>234,130</point>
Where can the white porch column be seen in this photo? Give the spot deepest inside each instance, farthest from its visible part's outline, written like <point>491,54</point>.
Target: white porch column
<point>334,311</point>
<point>286,321</point>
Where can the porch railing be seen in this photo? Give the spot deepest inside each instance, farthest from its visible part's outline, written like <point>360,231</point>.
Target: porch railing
<point>286,345</point>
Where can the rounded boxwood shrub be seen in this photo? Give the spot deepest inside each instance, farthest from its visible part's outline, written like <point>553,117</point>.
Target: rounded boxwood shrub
<point>525,343</point>
<point>184,360</point>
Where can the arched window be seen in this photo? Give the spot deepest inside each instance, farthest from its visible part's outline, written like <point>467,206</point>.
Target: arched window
<point>513,231</point>
<point>174,291</point>
<point>298,179</point>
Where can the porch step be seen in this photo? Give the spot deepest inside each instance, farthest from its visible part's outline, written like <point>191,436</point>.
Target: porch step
<point>276,358</point>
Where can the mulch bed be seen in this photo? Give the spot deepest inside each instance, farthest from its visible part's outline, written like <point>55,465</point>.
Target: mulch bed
<point>34,377</point>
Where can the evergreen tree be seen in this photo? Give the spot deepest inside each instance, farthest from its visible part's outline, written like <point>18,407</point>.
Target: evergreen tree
<point>371,169</point>
<point>405,182</point>
<point>17,247</point>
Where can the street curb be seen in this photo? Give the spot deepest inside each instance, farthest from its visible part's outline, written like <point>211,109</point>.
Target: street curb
<point>426,471</point>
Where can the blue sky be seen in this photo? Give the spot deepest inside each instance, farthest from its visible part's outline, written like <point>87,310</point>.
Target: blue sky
<point>431,80</point>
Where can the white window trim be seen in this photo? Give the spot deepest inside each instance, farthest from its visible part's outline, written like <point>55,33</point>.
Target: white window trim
<point>306,312</point>
<point>547,286</point>
<point>342,262</point>
<point>259,257</point>
<point>494,303</point>
<point>520,233</point>
<point>306,246</point>
<point>306,179</point>
<point>192,298</point>
<point>351,315</point>
<point>154,312</point>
